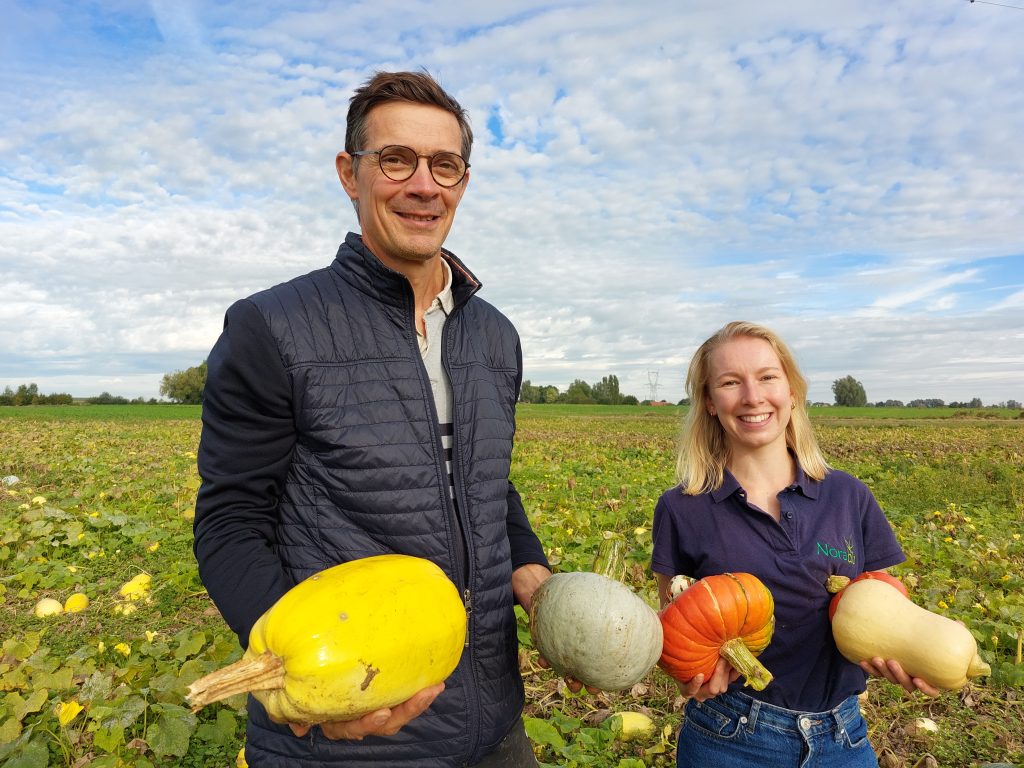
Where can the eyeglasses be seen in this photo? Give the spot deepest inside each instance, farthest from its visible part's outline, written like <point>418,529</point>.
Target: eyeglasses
<point>399,163</point>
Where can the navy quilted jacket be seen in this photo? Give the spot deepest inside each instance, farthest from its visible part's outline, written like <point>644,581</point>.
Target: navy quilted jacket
<point>320,445</point>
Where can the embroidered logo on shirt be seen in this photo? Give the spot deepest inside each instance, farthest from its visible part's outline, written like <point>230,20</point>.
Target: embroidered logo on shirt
<point>846,555</point>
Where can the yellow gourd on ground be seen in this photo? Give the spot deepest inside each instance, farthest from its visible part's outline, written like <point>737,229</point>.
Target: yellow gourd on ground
<point>48,607</point>
<point>76,602</point>
<point>874,620</point>
<point>632,726</point>
<point>346,641</point>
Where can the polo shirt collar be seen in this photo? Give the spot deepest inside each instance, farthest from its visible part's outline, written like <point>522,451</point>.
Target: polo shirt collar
<point>806,485</point>
<point>445,298</point>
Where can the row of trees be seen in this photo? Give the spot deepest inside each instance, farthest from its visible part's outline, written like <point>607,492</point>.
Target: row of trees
<point>604,392</point>
<point>934,402</point>
<point>849,391</point>
<point>187,386</point>
<point>29,394</point>
<point>181,386</point>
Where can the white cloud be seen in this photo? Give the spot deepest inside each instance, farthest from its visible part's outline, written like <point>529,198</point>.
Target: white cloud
<point>923,291</point>
<point>839,172</point>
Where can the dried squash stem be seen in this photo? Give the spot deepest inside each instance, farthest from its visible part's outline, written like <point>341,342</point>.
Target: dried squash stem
<point>264,673</point>
<point>836,583</point>
<point>744,662</point>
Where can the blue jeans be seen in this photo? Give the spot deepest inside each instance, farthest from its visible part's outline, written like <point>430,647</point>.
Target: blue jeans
<point>734,730</point>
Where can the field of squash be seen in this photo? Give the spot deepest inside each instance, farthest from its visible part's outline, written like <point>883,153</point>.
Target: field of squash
<point>97,501</point>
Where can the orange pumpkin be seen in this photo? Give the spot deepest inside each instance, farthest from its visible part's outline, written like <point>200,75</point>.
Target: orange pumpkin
<point>730,615</point>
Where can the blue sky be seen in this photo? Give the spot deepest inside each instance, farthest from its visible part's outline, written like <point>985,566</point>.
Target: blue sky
<point>849,174</point>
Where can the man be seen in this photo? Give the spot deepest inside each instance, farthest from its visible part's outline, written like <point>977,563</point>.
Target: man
<point>368,408</point>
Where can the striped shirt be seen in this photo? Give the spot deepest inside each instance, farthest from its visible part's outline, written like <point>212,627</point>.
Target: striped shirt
<point>430,349</point>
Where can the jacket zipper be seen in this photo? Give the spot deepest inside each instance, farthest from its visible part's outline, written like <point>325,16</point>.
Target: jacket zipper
<point>460,503</point>
<point>461,565</point>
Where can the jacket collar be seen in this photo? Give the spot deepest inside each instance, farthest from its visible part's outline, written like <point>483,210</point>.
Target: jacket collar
<point>359,267</point>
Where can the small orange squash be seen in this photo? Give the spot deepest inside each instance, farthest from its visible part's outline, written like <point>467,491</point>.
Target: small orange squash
<point>730,615</point>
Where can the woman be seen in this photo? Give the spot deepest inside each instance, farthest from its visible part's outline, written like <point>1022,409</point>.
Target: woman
<point>756,495</point>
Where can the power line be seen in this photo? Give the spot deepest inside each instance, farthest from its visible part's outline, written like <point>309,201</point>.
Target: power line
<point>1001,5</point>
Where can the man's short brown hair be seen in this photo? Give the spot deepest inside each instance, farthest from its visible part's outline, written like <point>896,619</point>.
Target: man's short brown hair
<point>413,87</point>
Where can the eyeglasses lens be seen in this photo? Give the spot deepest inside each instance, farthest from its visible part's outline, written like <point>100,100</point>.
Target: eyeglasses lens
<point>399,163</point>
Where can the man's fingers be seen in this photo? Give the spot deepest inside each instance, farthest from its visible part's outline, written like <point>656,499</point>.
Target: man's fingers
<point>402,713</point>
<point>355,730</point>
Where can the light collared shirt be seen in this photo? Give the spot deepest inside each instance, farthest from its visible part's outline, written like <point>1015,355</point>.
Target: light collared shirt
<point>430,349</point>
<point>443,303</point>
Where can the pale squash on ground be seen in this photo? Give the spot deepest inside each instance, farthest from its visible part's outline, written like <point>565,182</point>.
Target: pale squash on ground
<point>47,607</point>
<point>346,641</point>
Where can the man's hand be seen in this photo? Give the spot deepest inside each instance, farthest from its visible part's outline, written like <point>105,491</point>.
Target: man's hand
<point>893,672</point>
<point>525,580</point>
<point>383,722</point>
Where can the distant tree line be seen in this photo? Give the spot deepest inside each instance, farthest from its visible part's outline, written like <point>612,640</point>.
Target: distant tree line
<point>105,398</point>
<point>187,387</point>
<point>934,402</point>
<point>28,394</point>
<point>604,392</point>
<point>850,392</point>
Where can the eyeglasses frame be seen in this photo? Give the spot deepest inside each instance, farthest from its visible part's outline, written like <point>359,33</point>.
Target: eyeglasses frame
<point>428,158</point>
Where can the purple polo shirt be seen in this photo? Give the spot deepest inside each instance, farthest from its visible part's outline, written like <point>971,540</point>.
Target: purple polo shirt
<point>834,526</point>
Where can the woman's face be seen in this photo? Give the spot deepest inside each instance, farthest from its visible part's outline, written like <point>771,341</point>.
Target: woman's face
<point>749,393</point>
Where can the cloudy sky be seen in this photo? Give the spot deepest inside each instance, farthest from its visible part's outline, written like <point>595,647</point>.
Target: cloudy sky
<point>850,173</point>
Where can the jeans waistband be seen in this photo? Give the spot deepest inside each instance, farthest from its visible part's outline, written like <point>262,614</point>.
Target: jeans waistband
<point>752,711</point>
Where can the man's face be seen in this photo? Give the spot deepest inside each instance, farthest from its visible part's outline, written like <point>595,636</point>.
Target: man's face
<point>404,222</point>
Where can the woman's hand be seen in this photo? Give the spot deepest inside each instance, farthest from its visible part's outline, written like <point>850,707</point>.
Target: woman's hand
<point>893,672</point>
<point>383,722</point>
<point>719,682</point>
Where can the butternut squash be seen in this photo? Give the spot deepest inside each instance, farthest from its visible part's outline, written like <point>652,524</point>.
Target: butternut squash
<point>874,620</point>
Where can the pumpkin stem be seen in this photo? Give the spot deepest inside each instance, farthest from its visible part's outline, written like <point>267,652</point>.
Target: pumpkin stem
<point>836,583</point>
<point>743,661</point>
<point>978,667</point>
<point>263,673</point>
<point>610,559</point>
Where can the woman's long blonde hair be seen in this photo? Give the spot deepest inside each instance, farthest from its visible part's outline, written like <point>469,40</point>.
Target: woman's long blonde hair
<point>703,452</point>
